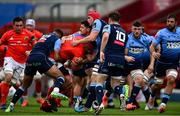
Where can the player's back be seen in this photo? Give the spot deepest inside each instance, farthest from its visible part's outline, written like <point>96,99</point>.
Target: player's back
<point>117,39</point>
<point>45,44</point>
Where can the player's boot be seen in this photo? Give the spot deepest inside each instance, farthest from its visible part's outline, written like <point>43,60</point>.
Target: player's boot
<point>162,108</point>
<point>46,106</point>
<point>80,109</point>
<point>3,107</point>
<point>99,109</point>
<point>25,103</point>
<point>10,108</point>
<point>59,95</point>
<point>40,100</point>
<point>130,106</point>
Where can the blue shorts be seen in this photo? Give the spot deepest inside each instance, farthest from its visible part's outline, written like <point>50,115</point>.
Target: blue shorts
<point>37,62</point>
<point>160,68</point>
<point>111,69</point>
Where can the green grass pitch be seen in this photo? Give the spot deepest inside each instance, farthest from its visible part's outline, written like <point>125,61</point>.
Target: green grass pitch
<point>33,109</point>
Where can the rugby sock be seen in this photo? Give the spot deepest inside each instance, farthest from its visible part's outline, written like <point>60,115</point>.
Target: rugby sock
<point>108,88</point>
<point>38,88</point>
<point>91,96</point>
<point>99,93</point>
<point>134,93</point>
<point>165,98</point>
<point>85,93</point>
<point>58,84</point>
<point>17,95</point>
<point>118,89</point>
<point>4,92</point>
<point>146,93</point>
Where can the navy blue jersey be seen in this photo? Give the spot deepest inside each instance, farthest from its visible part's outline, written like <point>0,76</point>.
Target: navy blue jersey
<point>114,50</point>
<point>46,44</point>
<point>170,45</point>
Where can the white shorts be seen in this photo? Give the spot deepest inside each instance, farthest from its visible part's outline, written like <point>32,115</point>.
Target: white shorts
<point>13,67</point>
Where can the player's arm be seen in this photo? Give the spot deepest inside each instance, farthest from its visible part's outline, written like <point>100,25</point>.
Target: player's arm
<point>105,38</point>
<point>57,47</point>
<point>93,35</point>
<point>4,38</point>
<point>128,58</point>
<point>153,47</point>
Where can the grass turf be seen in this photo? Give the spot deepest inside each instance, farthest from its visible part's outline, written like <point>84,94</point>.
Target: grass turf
<point>33,109</point>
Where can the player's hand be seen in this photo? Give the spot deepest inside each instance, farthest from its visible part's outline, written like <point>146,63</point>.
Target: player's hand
<point>102,57</point>
<point>156,55</point>
<point>75,43</point>
<point>129,58</point>
<point>27,53</point>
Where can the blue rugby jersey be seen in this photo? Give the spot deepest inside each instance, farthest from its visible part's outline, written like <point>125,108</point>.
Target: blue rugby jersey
<point>170,45</point>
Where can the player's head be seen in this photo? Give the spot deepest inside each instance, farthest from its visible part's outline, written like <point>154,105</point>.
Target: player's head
<point>85,27</point>
<point>171,22</point>
<point>18,24</point>
<point>90,51</point>
<point>114,17</point>
<point>30,24</point>
<point>92,16</point>
<point>136,29</point>
<point>58,32</point>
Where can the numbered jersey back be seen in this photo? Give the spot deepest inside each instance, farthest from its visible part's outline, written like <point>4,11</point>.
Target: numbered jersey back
<point>117,40</point>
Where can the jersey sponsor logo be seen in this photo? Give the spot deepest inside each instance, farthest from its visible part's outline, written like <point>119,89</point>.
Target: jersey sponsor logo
<point>136,50</point>
<point>173,45</point>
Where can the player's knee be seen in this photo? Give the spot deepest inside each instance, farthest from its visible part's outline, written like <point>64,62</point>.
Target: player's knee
<point>137,76</point>
<point>171,73</point>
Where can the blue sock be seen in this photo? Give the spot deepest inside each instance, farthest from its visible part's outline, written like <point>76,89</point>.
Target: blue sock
<point>165,98</point>
<point>91,96</point>
<point>134,93</point>
<point>146,93</point>
<point>118,90</point>
<point>99,93</point>
<point>19,92</point>
<point>59,82</point>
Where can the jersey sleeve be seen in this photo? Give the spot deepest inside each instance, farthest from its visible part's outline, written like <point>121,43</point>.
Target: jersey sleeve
<point>128,41</point>
<point>5,37</point>
<point>96,25</point>
<point>107,29</point>
<point>157,38</point>
<point>57,45</point>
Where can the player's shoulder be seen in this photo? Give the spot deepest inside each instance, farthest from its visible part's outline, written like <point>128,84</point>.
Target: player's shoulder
<point>10,32</point>
<point>162,31</point>
<point>178,29</point>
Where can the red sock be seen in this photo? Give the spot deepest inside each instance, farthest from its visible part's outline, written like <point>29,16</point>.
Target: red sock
<point>49,92</point>
<point>38,86</point>
<point>4,92</point>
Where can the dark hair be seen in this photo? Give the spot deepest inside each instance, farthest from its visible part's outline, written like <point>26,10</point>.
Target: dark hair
<point>18,19</point>
<point>137,24</point>
<point>59,31</point>
<point>171,16</point>
<point>86,24</point>
<point>115,16</point>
